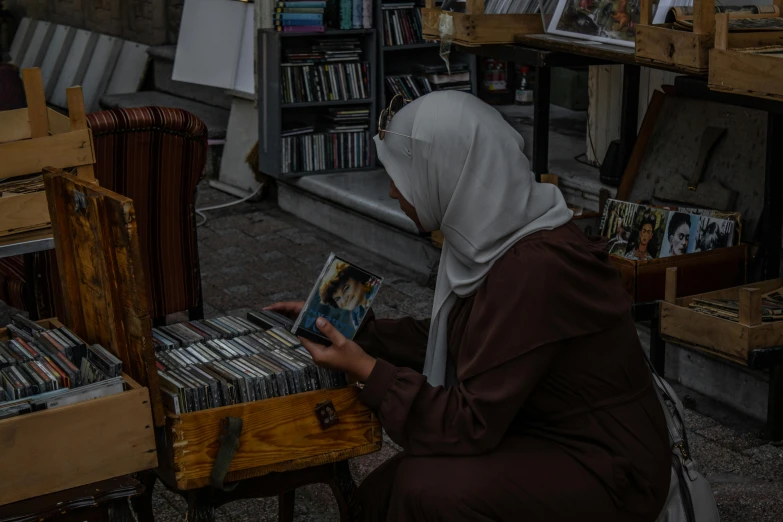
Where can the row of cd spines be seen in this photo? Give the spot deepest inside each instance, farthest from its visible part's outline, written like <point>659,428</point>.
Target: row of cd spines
<point>248,368</point>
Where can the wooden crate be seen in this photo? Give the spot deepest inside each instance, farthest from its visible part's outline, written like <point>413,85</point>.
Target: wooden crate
<point>280,434</point>
<point>52,450</point>
<point>645,281</point>
<point>98,255</point>
<point>728,339</point>
<point>664,46</point>
<point>38,137</point>
<point>473,27</point>
<point>738,67</point>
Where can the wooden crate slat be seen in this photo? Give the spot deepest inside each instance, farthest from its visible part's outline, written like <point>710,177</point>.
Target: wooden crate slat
<point>76,445</point>
<point>36,102</point>
<point>278,435</point>
<point>98,253</point>
<point>15,125</point>
<point>60,151</point>
<point>23,212</point>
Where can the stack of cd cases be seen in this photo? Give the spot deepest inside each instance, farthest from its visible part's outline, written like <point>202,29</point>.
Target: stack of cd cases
<point>230,360</point>
<point>43,368</point>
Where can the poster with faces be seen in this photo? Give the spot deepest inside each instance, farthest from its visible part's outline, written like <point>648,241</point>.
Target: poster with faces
<point>647,234</point>
<point>680,234</point>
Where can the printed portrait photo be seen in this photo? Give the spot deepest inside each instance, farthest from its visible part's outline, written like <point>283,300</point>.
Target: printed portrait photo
<point>680,236</point>
<point>714,233</point>
<point>618,221</point>
<point>647,235</point>
<point>343,296</point>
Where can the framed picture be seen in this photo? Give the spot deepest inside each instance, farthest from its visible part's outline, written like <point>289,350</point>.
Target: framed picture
<point>606,21</point>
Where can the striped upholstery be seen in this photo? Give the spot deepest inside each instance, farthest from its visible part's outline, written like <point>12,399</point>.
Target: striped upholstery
<point>156,156</point>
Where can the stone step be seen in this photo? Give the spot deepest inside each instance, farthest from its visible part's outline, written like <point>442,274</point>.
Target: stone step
<point>357,207</point>
<point>216,119</point>
<point>162,70</point>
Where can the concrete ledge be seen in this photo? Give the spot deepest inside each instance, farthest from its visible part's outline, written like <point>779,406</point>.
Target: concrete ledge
<point>366,193</point>
<point>741,389</point>
<point>402,248</point>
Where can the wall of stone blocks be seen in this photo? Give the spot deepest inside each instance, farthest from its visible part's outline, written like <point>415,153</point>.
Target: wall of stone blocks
<point>151,22</point>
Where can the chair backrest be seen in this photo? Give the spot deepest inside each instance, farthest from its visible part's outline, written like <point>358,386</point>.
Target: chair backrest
<point>156,157</point>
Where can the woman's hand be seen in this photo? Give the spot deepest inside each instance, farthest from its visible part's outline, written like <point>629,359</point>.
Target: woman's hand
<point>290,309</point>
<point>343,355</point>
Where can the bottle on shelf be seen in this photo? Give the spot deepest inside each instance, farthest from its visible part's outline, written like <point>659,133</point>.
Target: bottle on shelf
<point>524,94</point>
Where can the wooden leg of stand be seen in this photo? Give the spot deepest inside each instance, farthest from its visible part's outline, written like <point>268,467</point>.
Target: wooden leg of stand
<point>200,509</point>
<point>142,504</point>
<point>344,490</point>
<point>285,509</point>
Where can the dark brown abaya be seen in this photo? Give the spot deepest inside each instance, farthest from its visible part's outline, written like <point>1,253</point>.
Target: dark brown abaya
<point>554,417</point>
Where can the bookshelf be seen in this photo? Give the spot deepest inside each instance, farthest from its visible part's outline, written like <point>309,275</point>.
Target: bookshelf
<point>400,53</point>
<point>298,102</point>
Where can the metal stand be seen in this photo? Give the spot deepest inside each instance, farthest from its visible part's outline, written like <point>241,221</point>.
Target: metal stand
<point>541,97</point>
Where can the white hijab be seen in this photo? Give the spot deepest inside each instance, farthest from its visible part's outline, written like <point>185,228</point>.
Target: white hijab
<point>466,175</point>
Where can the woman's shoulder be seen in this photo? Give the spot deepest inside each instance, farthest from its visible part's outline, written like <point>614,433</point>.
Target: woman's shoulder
<point>559,243</point>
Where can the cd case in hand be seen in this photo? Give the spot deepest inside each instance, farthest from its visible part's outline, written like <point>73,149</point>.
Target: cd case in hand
<point>342,295</point>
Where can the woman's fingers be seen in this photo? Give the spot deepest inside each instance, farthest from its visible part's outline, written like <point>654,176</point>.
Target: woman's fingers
<point>331,333</point>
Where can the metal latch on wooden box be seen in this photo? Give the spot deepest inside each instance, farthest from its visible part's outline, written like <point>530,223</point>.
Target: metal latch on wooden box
<point>327,415</point>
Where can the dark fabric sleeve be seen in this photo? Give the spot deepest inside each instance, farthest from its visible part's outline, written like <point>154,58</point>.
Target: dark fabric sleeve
<point>468,419</point>
<point>402,342</point>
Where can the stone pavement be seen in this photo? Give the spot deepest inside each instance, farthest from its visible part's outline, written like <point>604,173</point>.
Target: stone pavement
<point>253,254</point>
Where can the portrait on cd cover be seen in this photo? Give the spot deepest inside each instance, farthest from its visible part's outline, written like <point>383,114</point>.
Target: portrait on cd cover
<point>647,234</point>
<point>714,233</point>
<point>617,224</point>
<point>342,295</point>
<point>680,236</point>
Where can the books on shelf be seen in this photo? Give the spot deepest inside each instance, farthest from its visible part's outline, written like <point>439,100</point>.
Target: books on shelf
<point>326,50</point>
<point>355,14</point>
<point>325,151</point>
<point>511,7</point>
<point>401,24</point>
<point>325,82</point>
<point>413,86</point>
<point>409,86</point>
<point>299,16</point>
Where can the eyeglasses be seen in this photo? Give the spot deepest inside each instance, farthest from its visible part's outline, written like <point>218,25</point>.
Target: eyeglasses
<point>396,103</point>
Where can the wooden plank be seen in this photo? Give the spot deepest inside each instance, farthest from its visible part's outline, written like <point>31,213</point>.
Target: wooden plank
<point>550,178</point>
<point>702,330</point>
<point>126,275</point>
<point>15,125</point>
<point>60,151</point>
<point>473,7</point>
<point>481,29</point>
<point>722,31</point>
<point>278,434</point>
<point>23,212</point>
<point>59,195</point>
<point>704,17</point>
<point>746,73</point>
<point>670,295</point>
<point>732,293</point>
<point>36,102</point>
<point>750,306</point>
<point>32,235</point>
<point>58,123</point>
<point>682,49</point>
<point>67,447</point>
<point>640,146</point>
<point>646,12</point>
<point>78,117</point>
<point>104,282</point>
